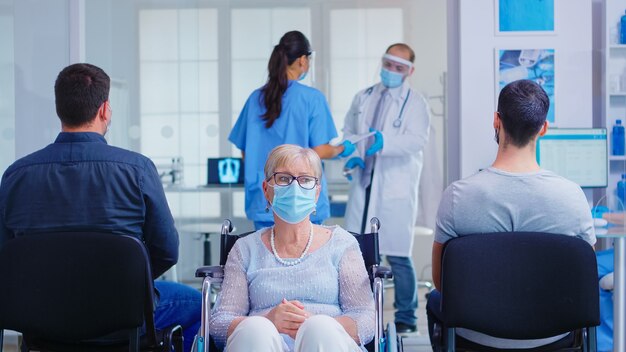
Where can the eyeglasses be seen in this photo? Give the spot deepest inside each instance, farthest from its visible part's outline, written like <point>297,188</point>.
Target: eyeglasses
<point>284,179</point>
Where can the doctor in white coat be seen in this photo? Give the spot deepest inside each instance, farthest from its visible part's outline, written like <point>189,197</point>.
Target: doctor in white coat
<point>385,176</point>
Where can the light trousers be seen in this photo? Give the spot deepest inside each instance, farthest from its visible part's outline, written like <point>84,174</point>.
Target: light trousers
<point>319,333</point>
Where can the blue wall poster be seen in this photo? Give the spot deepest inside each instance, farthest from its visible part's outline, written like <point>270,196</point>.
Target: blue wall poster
<point>525,15</point>
<point>533,64</point>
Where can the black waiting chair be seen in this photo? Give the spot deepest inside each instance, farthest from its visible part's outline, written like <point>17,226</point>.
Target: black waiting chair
<point>80,291</point>
<point>384,340</point>
<point>520,285</point>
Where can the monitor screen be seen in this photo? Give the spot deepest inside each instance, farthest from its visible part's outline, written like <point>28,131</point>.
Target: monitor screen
<point>578,154</point>
<point>225,171</point>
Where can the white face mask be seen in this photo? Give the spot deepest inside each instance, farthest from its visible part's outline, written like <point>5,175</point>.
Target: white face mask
<point>107,128</point>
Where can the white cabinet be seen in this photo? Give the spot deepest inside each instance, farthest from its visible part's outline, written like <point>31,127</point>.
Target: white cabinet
<point>614,88</point>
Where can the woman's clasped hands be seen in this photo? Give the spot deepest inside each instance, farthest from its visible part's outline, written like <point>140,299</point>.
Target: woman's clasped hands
<point>288,316</point>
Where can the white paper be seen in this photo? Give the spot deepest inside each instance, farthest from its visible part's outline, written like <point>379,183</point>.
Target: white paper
<point>354,139</point>
<point>359,137</point>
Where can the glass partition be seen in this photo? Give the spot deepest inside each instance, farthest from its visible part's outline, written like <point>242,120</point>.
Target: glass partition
<point>7,86</point>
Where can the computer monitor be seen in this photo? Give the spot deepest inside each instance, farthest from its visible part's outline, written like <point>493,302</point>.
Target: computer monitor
<point>225,171</point>
<point>578,154</point>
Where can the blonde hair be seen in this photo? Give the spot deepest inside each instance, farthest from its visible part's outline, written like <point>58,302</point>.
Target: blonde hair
<point>287,154</point>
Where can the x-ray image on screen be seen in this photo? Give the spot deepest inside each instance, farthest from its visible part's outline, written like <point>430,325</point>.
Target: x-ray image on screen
<point>228,170</point>
<point>225,171</point>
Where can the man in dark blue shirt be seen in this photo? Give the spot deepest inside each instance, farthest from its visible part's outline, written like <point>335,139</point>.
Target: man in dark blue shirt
<point>81,183</point>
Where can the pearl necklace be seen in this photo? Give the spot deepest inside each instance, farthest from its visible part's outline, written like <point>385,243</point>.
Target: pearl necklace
<point>295,261</point>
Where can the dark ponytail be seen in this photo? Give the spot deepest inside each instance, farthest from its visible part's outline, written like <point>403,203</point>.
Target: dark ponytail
<point>291,46</point>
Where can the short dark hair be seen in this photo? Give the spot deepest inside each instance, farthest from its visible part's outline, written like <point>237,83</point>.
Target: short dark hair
<point>523,106</point>
<point>405,47</point>
<point>80,90</point>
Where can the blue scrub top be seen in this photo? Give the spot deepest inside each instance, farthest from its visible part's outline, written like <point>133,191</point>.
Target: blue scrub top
<point>305,120</point>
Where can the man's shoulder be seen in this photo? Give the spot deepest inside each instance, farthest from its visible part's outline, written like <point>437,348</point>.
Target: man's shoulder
<point>52,154</point>
<point>477,180</point>
<point>36,157</point>
<point>128,156</point>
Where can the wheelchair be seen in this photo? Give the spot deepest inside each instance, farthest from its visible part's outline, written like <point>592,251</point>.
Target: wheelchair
<point>385,340</point>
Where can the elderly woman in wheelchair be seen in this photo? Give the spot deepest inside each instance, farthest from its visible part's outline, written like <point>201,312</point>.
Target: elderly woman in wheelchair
<point>294,286</point>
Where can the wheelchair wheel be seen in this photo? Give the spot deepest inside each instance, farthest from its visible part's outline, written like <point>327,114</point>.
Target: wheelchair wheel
<point>391,338</point>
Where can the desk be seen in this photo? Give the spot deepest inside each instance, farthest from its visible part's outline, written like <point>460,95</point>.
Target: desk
<point>618,234</point>
<point>205,229</point>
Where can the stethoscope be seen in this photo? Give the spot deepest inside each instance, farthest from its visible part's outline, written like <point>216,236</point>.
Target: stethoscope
<point>398,121</point>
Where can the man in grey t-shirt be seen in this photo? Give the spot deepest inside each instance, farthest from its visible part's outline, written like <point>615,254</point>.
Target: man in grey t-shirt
<point>514,194</point>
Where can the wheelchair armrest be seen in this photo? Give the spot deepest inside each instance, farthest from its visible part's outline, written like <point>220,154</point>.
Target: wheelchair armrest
<point>383,272</point>
<point>210,271</point>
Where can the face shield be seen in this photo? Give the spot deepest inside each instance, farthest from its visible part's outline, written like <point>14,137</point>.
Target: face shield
<point>394,70</point>
<point>396,64</point>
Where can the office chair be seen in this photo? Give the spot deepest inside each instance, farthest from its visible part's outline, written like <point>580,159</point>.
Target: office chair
<point>520,285</point>
<point>64,291</point>
<point>384,339</point>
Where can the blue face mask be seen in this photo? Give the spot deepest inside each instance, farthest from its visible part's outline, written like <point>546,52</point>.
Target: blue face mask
<point>303,75</point>
<point>293,203</point>
<point>391,79</point>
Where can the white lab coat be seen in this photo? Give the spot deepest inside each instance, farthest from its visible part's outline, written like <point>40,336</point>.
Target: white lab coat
<point>394,194</point>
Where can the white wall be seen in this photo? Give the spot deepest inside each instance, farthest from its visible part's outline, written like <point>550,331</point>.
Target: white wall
<point>477,99</point>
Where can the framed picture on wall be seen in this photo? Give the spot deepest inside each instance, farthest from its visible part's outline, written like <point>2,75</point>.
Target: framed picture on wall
<point>524,17</point>
<point>533,64</point>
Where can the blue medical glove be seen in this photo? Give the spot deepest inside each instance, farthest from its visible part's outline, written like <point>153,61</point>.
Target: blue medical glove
<point>350,166</point>
<point>348,148</point>
<point>377,145</point>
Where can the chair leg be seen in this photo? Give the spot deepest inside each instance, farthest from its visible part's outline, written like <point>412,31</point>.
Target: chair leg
<point>133,340</point>
<point>451,340</point>
<point>592,343</point>
<point>177,339</point>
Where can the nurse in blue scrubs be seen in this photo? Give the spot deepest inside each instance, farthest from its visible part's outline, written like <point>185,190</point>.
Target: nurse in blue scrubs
<point>283,111</point>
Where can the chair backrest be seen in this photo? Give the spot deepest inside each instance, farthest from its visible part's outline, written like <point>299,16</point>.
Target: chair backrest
<point>75,286</point>
<point>519,285</point>
<point>368,242</point>
<point>227,242</point>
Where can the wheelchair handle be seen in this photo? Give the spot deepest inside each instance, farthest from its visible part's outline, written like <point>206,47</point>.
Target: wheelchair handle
<point>375,224</point>
<point>227,227</point>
